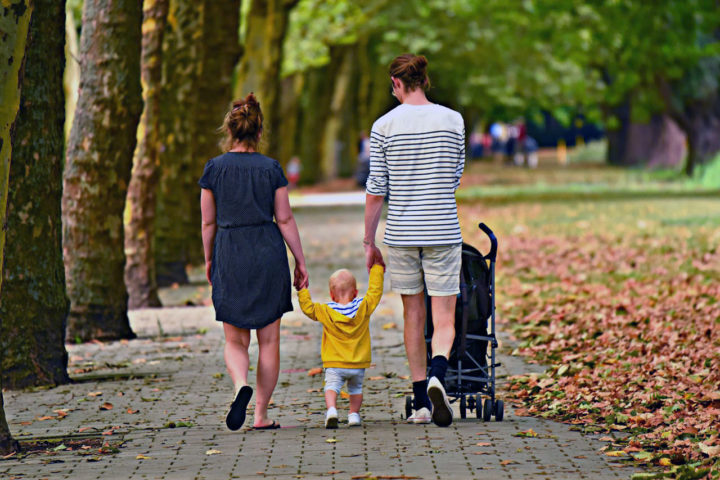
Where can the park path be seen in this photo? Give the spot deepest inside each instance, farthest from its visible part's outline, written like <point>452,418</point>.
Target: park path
<point>167,394</point>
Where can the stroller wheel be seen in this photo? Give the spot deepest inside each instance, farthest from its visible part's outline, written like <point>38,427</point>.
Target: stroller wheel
<point>463,407</point>
<point>478,407</point>
<point>408,406</point>
<point>499,410</point>
<point>487,409</point>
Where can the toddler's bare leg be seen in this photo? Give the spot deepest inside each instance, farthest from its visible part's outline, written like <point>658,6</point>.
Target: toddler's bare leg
<point>355,402</point>
<point>330,398</point>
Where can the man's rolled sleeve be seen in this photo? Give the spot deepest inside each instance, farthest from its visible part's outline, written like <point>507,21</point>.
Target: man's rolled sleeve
<point>377,181</point>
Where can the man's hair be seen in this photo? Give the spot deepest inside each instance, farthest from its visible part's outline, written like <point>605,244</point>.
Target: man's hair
<point>411,70</point>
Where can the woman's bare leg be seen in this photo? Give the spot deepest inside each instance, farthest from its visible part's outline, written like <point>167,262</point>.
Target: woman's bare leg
<point>237,341</point>
<point>268,368</point>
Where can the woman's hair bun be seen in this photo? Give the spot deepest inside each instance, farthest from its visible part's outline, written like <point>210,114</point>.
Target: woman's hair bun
<point>243,123</point>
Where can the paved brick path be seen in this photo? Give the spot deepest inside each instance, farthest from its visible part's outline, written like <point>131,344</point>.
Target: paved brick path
<point>174,374</point>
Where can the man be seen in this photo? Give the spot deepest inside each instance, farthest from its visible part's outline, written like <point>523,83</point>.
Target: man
<point>417,158</point>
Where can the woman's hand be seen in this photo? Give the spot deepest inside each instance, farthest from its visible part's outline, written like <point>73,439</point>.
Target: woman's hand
<point>301,276</point>
<point>208,269</point>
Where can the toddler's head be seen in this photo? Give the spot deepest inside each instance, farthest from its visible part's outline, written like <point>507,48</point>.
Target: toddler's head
<point>343,287</point>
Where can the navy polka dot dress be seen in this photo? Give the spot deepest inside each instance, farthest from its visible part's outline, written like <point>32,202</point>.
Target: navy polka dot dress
<point>250,274</point>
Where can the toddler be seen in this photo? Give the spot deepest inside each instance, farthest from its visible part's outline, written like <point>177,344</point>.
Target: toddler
<point>346,337</point>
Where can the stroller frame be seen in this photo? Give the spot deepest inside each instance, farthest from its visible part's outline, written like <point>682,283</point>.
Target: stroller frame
<point>469,382</point>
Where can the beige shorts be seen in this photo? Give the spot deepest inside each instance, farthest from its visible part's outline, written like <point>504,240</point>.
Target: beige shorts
<point>413,268</point>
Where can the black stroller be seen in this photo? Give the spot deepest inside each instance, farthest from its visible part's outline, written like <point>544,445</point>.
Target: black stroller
<point>469,375</point>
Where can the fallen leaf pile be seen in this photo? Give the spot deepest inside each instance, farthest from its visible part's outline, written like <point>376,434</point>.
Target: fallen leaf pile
<point>628,323</point>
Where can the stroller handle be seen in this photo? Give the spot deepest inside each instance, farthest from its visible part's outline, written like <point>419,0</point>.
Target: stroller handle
<point>493,242</point>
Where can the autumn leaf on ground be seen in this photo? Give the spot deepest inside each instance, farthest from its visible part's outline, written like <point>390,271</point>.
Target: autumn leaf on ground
<point>212,451</point>
<point>527,433</point>
<point>615,453</point>
<point>331,440</point>
<point>314,371</point>
<point>483,444</point>
<point>711,451</point>
<point>142,457</point>
<point>46,417</point>
<point>344,394</point>
<point>106,406</point>
<point>131,411</point>
<point>507,462</point>
<point>94,394</point>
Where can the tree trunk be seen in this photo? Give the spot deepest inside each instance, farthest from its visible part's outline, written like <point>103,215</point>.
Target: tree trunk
<point>314,111</point>
<point>335,147</point>
<point>14,23</point>
<point>259,70</point>
<point>33,303</point>
<point>291,88</point>
<point>140,204</point>
<point>72,70</point>
<point>99,163</point>
<point>200,54</point>
<point>701,123</point>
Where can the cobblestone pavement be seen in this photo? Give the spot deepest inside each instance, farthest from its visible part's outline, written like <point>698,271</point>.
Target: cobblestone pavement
<point>161,400</point>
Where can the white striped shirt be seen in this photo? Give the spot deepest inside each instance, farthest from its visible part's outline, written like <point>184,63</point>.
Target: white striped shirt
<point>347,309</point>
<point>417,156</point>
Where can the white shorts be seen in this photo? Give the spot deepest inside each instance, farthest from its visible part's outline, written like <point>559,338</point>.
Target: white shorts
<point>335,379</point>
<point>413,268</point>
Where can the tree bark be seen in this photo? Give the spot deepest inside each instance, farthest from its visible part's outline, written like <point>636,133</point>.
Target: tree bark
<point>200,54</point>
<point>14,23</point>
<point>259,69</point>
<point>314,110</point>
<point>701,123</point>
<point>34,305</point>
<point>336,147</point>
<point>99,163</point>
<point>140,204</point>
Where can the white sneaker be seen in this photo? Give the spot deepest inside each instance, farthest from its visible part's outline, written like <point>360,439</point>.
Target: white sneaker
<point>331,418</point>
<point>442,414</point>
<point>354,420</point>
<point>420,416</point>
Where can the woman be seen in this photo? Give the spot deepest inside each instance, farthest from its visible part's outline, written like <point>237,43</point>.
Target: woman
<point>245,258</point>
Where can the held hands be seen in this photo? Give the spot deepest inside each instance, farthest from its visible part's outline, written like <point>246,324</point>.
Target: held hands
<point>301,277</point>
<point>373,256</point>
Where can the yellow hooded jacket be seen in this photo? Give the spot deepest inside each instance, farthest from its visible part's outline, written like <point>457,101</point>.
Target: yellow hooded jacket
<point>345,340</point>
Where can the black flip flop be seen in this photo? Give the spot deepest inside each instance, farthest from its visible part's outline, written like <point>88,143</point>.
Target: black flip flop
<point>236,416</point>
<point>272,426</point>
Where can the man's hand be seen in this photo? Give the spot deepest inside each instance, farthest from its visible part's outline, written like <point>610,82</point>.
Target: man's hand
<point>373,256</point>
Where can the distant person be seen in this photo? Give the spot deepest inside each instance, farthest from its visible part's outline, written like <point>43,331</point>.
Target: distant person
<point>245,257</point>
<point>531,150</point>
<point>417,157</point>
<point>293,170</point>
<point>346,337</point>
<point>498,142</point>
<point>511,144</point>
<point>363,163</point>
<point>476,145</point>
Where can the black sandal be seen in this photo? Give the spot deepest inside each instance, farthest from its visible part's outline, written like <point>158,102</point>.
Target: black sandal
<point>236,416</point>
<point>271,426</point>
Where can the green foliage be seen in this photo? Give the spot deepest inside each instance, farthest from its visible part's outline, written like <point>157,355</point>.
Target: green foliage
<point>708,176</point>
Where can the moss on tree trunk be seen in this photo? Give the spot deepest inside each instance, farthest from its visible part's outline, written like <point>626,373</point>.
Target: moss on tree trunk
<point>97,172</point>
<point>140,205</point>
<point>34,305</point>
<point>200,52</point>
<point>14,23</point>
